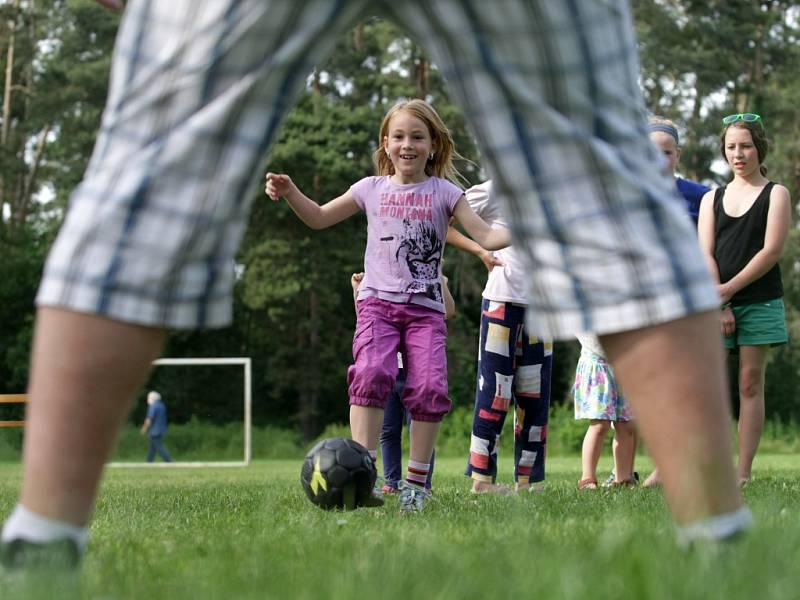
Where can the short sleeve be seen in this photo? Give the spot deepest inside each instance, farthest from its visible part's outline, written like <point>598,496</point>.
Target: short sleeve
<point>361,190</point>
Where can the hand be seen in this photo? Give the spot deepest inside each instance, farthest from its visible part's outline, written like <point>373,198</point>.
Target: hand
<point>725,292</point>
<point>115,5</point>
<point>355,280</point>
<point>490,261</point>
<point>727,321</point>
<point>278,185</point>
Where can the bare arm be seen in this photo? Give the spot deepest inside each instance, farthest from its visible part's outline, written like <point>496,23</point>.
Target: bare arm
<point>477,228</point>
<point>355,282</point>
<point>706,224</point>
<point>147,422</point>
<point>779,219</point>
<point>462,242</point>
<point>449,302</point>
<point>312,214</point>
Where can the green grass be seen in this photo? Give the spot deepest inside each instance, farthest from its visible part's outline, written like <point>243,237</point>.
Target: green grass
<point>251,533</point>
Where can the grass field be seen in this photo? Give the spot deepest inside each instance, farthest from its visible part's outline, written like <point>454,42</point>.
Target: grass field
<point>251,533</point>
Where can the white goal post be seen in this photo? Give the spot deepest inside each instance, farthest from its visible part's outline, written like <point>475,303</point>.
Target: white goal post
<point>247,399</point>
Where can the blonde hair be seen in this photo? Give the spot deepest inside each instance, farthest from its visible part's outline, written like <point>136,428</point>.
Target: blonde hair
<point>664,125</point>
<point>444,149</point>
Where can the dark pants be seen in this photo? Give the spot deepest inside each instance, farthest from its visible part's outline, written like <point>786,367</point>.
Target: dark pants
<point>392,433</point>
<point>513,374</point>
<point>157,445</point>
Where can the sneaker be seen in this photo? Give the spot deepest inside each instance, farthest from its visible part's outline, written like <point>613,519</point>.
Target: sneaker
<point>56,555</point>
<point>609,482</point>
<point>412,497</point>
<point>389,489</point>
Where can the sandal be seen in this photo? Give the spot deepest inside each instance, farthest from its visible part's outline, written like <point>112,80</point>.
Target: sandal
<point>590,483</point>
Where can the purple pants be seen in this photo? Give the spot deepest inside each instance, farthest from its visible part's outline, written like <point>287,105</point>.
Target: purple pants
<point>420,334</point>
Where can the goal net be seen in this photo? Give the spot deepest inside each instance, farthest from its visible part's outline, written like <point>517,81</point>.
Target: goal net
<point>208,403</point>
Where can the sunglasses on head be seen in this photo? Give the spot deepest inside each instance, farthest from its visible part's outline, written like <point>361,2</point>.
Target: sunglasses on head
<point>746,117</point>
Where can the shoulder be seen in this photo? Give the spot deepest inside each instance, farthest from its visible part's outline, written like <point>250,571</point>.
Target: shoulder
<point>366,186</point>
<point>692,187</point>
<point>779,191</point>
<point>446,185</point>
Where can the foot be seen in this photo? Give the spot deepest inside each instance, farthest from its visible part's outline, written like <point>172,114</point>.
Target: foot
<point>412,497</point>
<point>389,489</point>
<point>652,480</point>
<point>588,483</point>
<point>56,555</point>
<point>533,488</point>
<point>486,487</point>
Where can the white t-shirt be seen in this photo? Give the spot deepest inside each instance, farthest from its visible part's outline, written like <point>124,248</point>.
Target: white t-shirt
<point>508,283</point>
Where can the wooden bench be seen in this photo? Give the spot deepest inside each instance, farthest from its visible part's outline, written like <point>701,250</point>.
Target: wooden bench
<point>13,399</point>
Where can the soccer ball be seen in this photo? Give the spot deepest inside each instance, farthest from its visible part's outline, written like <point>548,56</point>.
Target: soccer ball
<point>338,473</point>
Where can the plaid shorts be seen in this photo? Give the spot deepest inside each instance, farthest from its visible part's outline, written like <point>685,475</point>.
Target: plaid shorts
<point>198,92</point>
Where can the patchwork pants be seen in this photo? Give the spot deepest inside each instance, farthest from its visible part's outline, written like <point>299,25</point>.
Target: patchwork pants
<point>514,371</point>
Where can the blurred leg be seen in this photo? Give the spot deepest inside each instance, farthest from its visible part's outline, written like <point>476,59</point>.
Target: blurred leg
<point>84,372</point>
<point>682,411</point>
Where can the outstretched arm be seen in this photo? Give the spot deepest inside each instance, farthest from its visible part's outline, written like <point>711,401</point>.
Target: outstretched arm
<point>462,242</point>
<point>312,214</point>
<point>478,229</point>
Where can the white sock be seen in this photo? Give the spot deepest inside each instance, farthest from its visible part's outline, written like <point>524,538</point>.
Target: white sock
<point>715,528</point>
<point>27,525</point>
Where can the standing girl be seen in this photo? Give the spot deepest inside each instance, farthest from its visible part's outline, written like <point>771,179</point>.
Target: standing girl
<point>742,229</point>
<point>400,301</point>
<point>598,398</point>
<point>514,367</point>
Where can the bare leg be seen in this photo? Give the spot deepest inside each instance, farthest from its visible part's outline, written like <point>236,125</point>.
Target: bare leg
<point>752,369</point>
<point>423,440</point>
<point>624,447</point>
<point>592,447</point>
<point>84,372</point>
<point>652,479</point>
<point>365,425</point>
<point>674,376</point>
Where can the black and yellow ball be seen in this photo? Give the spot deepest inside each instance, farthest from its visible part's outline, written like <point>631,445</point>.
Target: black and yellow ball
<point>338,473</point>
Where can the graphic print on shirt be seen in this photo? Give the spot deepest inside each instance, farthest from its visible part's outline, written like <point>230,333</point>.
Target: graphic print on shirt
<point>420,249</point>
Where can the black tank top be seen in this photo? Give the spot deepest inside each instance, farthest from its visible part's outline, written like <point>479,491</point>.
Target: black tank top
<point>738,239</point>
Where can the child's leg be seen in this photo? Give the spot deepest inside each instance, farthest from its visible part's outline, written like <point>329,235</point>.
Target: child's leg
<point>624,448</point>
<point>532,370</point>
<point>391,433</point>
<point>372,375</point>
<point>592,447</point>
<point>425,395</point>
<point>752,368</point>
<point>429,481</point>
<point>493,394</point>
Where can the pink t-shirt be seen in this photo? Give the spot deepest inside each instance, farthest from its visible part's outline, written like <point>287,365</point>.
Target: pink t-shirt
<point>406,234</point>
